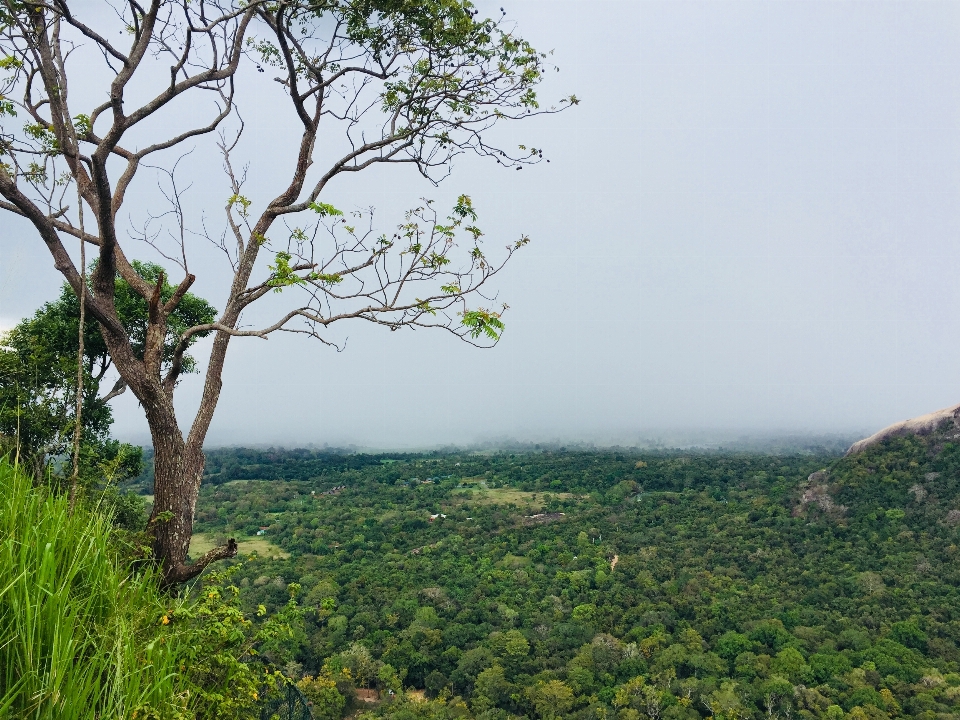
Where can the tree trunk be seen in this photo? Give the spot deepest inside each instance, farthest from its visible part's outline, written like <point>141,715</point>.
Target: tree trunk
<point>178,470</point>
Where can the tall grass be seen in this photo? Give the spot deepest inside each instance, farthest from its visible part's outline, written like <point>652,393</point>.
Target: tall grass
<point>79,632</point>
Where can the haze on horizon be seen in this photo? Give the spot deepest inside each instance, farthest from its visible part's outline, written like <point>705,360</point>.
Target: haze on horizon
<point>747,227</point>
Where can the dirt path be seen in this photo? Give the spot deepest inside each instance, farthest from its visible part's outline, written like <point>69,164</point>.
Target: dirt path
<point>613,563</point>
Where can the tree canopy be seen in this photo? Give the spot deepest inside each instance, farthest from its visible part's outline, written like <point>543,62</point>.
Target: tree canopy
<point>38,370</point>
<point>629,584</point>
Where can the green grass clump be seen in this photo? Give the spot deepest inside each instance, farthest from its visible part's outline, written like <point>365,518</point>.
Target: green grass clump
<point>80,633</point>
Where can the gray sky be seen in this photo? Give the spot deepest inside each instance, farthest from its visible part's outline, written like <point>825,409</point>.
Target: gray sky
<point>749,224</point>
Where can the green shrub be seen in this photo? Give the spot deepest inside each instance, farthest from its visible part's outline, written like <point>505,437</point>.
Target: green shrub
<point>85,637</point>
<point>79,633</point>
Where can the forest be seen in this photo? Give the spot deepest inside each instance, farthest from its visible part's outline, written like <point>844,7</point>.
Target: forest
<point>716,222</point>
<point>615,584</point>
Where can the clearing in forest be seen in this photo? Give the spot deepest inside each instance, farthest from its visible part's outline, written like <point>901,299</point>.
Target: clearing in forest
<point>202,542</point>
<point>478,492</point>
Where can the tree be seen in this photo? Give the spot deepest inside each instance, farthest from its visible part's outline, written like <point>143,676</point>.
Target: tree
<point>37,394</point>
<point>777,693</point>
<point>492,688</point>
<point>38,370</point>
<point>397,81</point>
<point>327,702</point>
<point>552,699</point>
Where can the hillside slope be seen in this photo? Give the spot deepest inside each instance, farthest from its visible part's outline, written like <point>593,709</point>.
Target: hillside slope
<point>745,585</point>
<point>940,421</point>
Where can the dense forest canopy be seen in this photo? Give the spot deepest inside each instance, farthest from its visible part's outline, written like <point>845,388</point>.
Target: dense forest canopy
<point>605,584</point>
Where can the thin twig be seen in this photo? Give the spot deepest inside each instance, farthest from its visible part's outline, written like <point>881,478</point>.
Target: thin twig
<point>74,477</point>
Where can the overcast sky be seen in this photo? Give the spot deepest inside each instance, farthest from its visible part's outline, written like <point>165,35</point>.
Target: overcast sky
<point>750,224</point>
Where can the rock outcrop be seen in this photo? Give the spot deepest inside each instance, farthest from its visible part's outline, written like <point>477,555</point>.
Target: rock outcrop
<point>816,492</point>
<point>921,425</point>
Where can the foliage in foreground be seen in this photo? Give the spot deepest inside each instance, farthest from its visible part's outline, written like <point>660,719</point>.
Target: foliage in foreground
<point>79,635</point>
<point>84,636</point>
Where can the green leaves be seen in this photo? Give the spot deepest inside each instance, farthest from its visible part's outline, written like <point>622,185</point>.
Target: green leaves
<point>81,124</point>
<point>240,203</point>
<point>424,306</point>
<point>435,260</point>
<point>483,322</point>
<point>324,209</point>
<point>215,641</point>
<point>163,517</point>
<point>283,275</point>
<point>455,69</point>
<point>327,278</point>
<point>43,134</point>
<point>269,53</point>
<point>464,208</point>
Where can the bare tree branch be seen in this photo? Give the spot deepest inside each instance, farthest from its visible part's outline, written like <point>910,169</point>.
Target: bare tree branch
<point>119,387</point>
